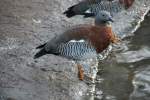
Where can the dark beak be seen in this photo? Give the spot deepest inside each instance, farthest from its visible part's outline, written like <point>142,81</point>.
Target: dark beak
<point>111,19</point>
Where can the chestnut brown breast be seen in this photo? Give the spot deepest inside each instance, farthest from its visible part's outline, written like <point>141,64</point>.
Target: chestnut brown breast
<point>99,36</point>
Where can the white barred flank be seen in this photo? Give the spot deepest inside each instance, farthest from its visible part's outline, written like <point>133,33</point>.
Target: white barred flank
<point>112,7</point>
<point>76,50</point>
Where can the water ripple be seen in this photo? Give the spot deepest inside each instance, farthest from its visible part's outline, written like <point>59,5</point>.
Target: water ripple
<point>133,56</point>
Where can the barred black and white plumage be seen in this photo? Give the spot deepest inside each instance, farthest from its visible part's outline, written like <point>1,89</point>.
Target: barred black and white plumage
<point>81,42</point>
<point>76,50</point>
<point>112,7</point>
<point>89,8</point>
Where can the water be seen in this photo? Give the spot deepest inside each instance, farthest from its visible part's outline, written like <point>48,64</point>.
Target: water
<point>126,73</point>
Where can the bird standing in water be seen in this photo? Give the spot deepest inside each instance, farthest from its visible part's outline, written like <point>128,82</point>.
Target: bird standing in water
<point>82,42</point>
<point>89,8</point>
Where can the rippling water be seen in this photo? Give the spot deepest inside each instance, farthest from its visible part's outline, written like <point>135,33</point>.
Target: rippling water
<point>126,73</point>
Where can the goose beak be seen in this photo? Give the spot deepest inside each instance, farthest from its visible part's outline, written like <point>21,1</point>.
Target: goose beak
<point>111,19</point>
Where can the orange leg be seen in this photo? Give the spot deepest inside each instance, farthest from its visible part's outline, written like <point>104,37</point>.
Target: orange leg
<point>80,72</point>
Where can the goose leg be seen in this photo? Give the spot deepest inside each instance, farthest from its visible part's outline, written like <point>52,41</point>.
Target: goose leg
<point>80,72</point>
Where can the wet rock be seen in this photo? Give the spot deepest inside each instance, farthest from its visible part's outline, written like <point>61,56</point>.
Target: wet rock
<point>24,24</point>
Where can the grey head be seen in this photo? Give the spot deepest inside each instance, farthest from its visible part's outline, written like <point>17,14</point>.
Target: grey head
<point>103,17</point>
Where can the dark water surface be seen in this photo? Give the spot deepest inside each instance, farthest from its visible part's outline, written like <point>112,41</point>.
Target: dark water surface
<point>126,73</point>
